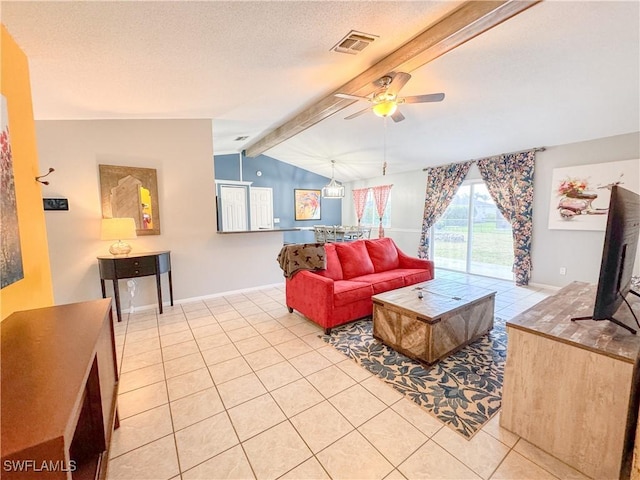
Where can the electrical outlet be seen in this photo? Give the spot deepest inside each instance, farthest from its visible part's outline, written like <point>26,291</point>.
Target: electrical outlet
<point>563,270</point>
<point>276,220</point>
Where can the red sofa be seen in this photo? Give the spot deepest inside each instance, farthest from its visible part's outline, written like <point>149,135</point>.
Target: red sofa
<point>354,272</point>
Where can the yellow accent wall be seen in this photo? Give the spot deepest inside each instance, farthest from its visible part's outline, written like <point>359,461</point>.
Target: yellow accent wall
<point>35,289</point>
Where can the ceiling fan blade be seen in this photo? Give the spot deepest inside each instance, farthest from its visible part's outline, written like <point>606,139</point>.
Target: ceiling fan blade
<point>399,81</point>
<point>432,97</point>
<point>397,116</point>
<point>357,114</point>
<point>350,97</point>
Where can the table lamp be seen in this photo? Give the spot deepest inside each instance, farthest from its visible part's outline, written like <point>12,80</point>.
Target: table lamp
<point>118,229</point>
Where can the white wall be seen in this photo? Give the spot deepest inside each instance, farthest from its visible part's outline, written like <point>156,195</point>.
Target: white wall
<point>578,251</point>
<point>203,262</point>
<point>406,207</point>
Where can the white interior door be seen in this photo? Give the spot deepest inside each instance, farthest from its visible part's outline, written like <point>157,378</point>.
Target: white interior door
<point>233,208</point>
<point>261,208</point>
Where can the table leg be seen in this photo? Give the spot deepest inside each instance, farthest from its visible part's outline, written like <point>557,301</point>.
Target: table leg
<point>159,288</point>
<point>116,293</point>
<point>170,287</point>
<point>104,291</point>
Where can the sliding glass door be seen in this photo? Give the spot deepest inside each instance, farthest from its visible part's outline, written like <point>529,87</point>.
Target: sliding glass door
<point>473,236</point>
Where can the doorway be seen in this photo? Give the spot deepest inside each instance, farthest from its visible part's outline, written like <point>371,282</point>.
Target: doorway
<point>472,236</point>
<point>233,200</point>
<point>261,208</point>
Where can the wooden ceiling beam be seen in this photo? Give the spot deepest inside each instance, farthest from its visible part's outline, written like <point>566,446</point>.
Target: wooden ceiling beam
<point>469,20</point>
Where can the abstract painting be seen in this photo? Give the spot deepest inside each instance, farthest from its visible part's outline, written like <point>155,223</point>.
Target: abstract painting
<point>10,252</point>
<point>306,204</point>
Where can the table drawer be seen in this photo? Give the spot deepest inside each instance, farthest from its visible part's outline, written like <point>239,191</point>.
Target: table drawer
<point>135,267</point>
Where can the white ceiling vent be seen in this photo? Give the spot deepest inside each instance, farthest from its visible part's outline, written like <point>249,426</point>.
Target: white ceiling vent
<point>354,42</point>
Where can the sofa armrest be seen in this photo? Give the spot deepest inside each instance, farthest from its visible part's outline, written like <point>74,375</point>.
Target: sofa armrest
<point>311,280</point>
<point>306,290</point>
<point>413,262</point>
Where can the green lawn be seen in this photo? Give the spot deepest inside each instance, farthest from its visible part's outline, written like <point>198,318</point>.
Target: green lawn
<point>490,244</point>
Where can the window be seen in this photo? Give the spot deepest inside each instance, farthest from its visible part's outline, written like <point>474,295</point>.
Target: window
<point>472,236</point>
<point>370,216</point>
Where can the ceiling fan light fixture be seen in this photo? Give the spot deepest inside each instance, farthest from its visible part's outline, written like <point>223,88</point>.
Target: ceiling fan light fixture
<point>385,109</point>
<point>333,189</point>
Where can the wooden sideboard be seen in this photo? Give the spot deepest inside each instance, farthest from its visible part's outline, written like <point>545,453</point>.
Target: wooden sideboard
<point>568,386</point>
<point>114,267</point>
<point>59,390</point>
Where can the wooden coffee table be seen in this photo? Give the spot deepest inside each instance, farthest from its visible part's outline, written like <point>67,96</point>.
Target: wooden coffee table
<point>449,316</point>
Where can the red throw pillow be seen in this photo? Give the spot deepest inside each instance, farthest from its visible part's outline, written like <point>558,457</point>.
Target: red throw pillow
<point>354,259</point>
<point>333,270</point>
<point>383,254</point>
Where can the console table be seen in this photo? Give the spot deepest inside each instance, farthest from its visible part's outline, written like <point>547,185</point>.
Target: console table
<point>115,267</point>
<point>568,386</point>
<point>59,390</point>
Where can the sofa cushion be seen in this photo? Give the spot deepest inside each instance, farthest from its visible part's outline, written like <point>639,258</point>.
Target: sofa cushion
<point>354,259</point>
<point>412,276</point>
<point>382,281</point>
<point>334,269</point>
<point>383,254</point>
<point>346,291</point>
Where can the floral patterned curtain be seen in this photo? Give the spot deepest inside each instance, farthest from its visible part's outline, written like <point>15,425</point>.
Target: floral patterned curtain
<point>442,184</point>
<point>359,201</point>
<point>509,179</point>
<point>381,195</point>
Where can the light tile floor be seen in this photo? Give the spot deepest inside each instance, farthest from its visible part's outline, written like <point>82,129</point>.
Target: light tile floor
<point>236,387</point>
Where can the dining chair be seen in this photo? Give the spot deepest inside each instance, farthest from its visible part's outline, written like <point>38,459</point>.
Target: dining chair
<point>364,232</point>
<point>320,233</point>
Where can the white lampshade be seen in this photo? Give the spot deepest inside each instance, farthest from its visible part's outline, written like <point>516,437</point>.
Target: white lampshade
<point>118,229</point>
<point>333,189</point>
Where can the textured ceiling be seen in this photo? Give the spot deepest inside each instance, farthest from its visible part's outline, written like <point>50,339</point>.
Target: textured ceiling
<point>557,73</point>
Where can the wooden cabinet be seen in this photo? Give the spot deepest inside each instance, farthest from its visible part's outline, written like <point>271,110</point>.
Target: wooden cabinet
<point>59,390</point>
<point>568,385</point>
<point>113,267</point>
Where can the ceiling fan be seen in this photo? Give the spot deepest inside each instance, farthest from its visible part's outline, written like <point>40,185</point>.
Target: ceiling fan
<point>385,100</point>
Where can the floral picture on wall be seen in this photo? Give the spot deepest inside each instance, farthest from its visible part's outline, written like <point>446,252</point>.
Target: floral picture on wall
<point>580,195</point>
<point>306,204</point>
<point>11,269</point>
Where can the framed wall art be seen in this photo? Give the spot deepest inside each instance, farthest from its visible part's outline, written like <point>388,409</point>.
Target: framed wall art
<point>11,269</point>
<point>306,204</point>
<point>131,192</point>
<point>580,194</point>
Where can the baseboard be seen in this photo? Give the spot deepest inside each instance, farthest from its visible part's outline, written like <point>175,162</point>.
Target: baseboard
<point>545,286</point>
<point>153,306</point>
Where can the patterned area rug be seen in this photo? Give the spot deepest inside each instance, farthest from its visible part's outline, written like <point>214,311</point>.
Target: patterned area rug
<point>463,391</point>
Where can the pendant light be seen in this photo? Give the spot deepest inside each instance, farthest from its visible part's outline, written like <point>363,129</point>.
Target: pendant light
<point>333,189</point>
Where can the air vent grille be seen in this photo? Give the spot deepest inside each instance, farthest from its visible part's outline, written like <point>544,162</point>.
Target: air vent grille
<point>240,139</point>
<point>354,42</point>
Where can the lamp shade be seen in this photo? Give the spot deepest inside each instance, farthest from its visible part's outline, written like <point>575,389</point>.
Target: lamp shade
<point>333,189</point>
<point>118,229</point>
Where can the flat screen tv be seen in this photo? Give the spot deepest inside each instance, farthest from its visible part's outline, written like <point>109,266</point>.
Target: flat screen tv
<point>618,257</point>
